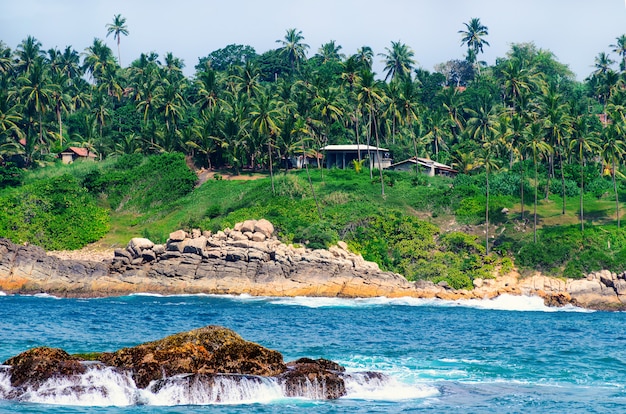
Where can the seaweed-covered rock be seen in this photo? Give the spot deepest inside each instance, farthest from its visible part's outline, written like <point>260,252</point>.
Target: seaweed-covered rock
<point>37,365</point>
<point>208,350</point>
<point>319,379</point>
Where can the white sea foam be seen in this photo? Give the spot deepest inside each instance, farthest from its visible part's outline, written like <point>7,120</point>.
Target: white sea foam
<point>187,390</point>
<point>103,386</point>
<point>502,302</point>
<point>2,293</point>
<point>365,387</point>
<point>45,296</point>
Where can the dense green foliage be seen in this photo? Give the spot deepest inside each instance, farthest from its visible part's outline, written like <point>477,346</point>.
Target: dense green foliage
<point>535,150</point>
<point>135,184</point>
<point>55,213</point>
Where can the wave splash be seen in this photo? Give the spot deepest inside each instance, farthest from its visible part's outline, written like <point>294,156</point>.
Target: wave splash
<point>104,386</point>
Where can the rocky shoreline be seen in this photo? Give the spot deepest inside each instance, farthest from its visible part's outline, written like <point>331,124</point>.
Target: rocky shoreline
<point>248,259</point>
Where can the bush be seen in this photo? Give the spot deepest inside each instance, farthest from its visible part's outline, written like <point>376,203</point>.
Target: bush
<point>54,213</point>
<point>10,175</point>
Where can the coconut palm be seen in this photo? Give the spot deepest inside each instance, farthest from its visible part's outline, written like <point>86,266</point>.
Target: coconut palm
<point>558,124</point>
<point>98,59</point>
<point>293,48</point>
<point>27,54</point>
<point>584,143</point>
<point>398,61</point>
<point>265,120</point>
<point>330,52</point>
<point>35,93</point>
<point>620,48</point>
<point>537,148</point>
<point>6,62</point>
<point>117,28</point>
<point>473,36</point>
<point>487,159</point>
<point>365,57</point>
<point>614,147</point>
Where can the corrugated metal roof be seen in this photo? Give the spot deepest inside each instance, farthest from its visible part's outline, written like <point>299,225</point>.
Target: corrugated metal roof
<point>351,147</point>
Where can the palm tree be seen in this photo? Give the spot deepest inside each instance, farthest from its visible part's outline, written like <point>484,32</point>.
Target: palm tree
<point>365,57</point>
<point>35,93</point>
<point>473,37</point>
<point>98,59</point>
<point>620,48</point>
<point>329,52</point>
<point>27,54</point>
<point>614,147</point>
<point>293,48</point>
<point>398,61</point>
<point>117,28</point>
<point>265,118</point>
<point>409,110</point>
<point>6,62</point>
<point>437,124</point>
<point>584,143</point>
<point>488,159</point>
<point>558,124</point>
<point>538,148</point>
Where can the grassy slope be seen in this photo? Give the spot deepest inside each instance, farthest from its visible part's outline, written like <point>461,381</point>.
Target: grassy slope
<point>345,199</point>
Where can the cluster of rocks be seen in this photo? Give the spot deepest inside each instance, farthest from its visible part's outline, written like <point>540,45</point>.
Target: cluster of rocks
<point>203,353</point>
<point>250,240</point>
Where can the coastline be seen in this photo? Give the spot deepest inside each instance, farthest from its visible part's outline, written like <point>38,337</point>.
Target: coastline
<point>249,260</point>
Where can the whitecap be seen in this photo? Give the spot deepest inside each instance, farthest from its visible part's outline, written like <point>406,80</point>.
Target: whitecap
<point>2,293</point>
<point>362,386</point>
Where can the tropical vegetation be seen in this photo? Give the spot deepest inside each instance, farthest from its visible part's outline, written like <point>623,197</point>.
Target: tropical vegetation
<point>521,126</point>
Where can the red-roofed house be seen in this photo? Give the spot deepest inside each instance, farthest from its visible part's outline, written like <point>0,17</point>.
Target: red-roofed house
<point>71,154</point>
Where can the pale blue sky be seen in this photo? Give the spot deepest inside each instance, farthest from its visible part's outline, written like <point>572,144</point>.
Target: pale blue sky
<point>574,30</point>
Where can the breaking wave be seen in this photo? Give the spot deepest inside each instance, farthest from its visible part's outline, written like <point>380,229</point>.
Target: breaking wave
<point>103,386</point>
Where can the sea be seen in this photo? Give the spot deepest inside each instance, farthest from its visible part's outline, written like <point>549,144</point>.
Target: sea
<point>511,354</point>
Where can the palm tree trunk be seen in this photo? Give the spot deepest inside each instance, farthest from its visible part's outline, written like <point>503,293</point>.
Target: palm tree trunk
<point>369,137</point>
<point>358,144</point>
<point>487,213</point>
<point>562,180</point>
<point>58,110</point>
<point>308,176</point>
<point>522,192</point>
<point>616,195</point>
<point>535,208</point>
<point>380,167</point>
<point>269,149</point>
<point>582,189</point>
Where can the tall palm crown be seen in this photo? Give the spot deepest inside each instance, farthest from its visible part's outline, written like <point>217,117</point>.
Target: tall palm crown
<point>293,48</point>
<point>398,61</point>
<point>118,28</point>
<point>620,48</point>
<point>473,37</point>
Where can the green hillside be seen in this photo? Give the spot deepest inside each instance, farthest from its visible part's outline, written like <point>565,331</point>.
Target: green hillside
<point>423,227</point>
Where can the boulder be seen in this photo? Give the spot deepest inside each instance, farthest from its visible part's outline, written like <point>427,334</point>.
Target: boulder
<point>32,367</point>
<point>178,236</point>
<point>265,227</point>
<point>208,350</point>
<point>195,246</point>
<point>137,244</point>
<point>318,379</point>
<point>247,225</point>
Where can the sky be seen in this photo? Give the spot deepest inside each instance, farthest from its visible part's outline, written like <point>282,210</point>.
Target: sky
<point>575,31</point>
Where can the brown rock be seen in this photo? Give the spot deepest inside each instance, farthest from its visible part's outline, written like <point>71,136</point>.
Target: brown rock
<point>208,350</point>
<point>37,365</point>
<point>313,378</point>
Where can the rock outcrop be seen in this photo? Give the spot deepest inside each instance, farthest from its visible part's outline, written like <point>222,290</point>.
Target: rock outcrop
<point>198,356</point>
<point>249,259</point>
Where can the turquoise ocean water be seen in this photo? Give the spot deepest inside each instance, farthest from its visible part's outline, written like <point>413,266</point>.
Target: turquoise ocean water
<point>508,355</point>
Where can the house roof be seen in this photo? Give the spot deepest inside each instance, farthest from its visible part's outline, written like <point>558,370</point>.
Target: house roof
<point>81,152</point>
<point>352,147</point>
<point>426,162</point>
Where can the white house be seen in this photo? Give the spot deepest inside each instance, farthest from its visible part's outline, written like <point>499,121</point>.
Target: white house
<point>341,156</point>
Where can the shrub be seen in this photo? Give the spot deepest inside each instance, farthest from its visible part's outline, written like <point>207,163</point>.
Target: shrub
<point>54,213</point>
